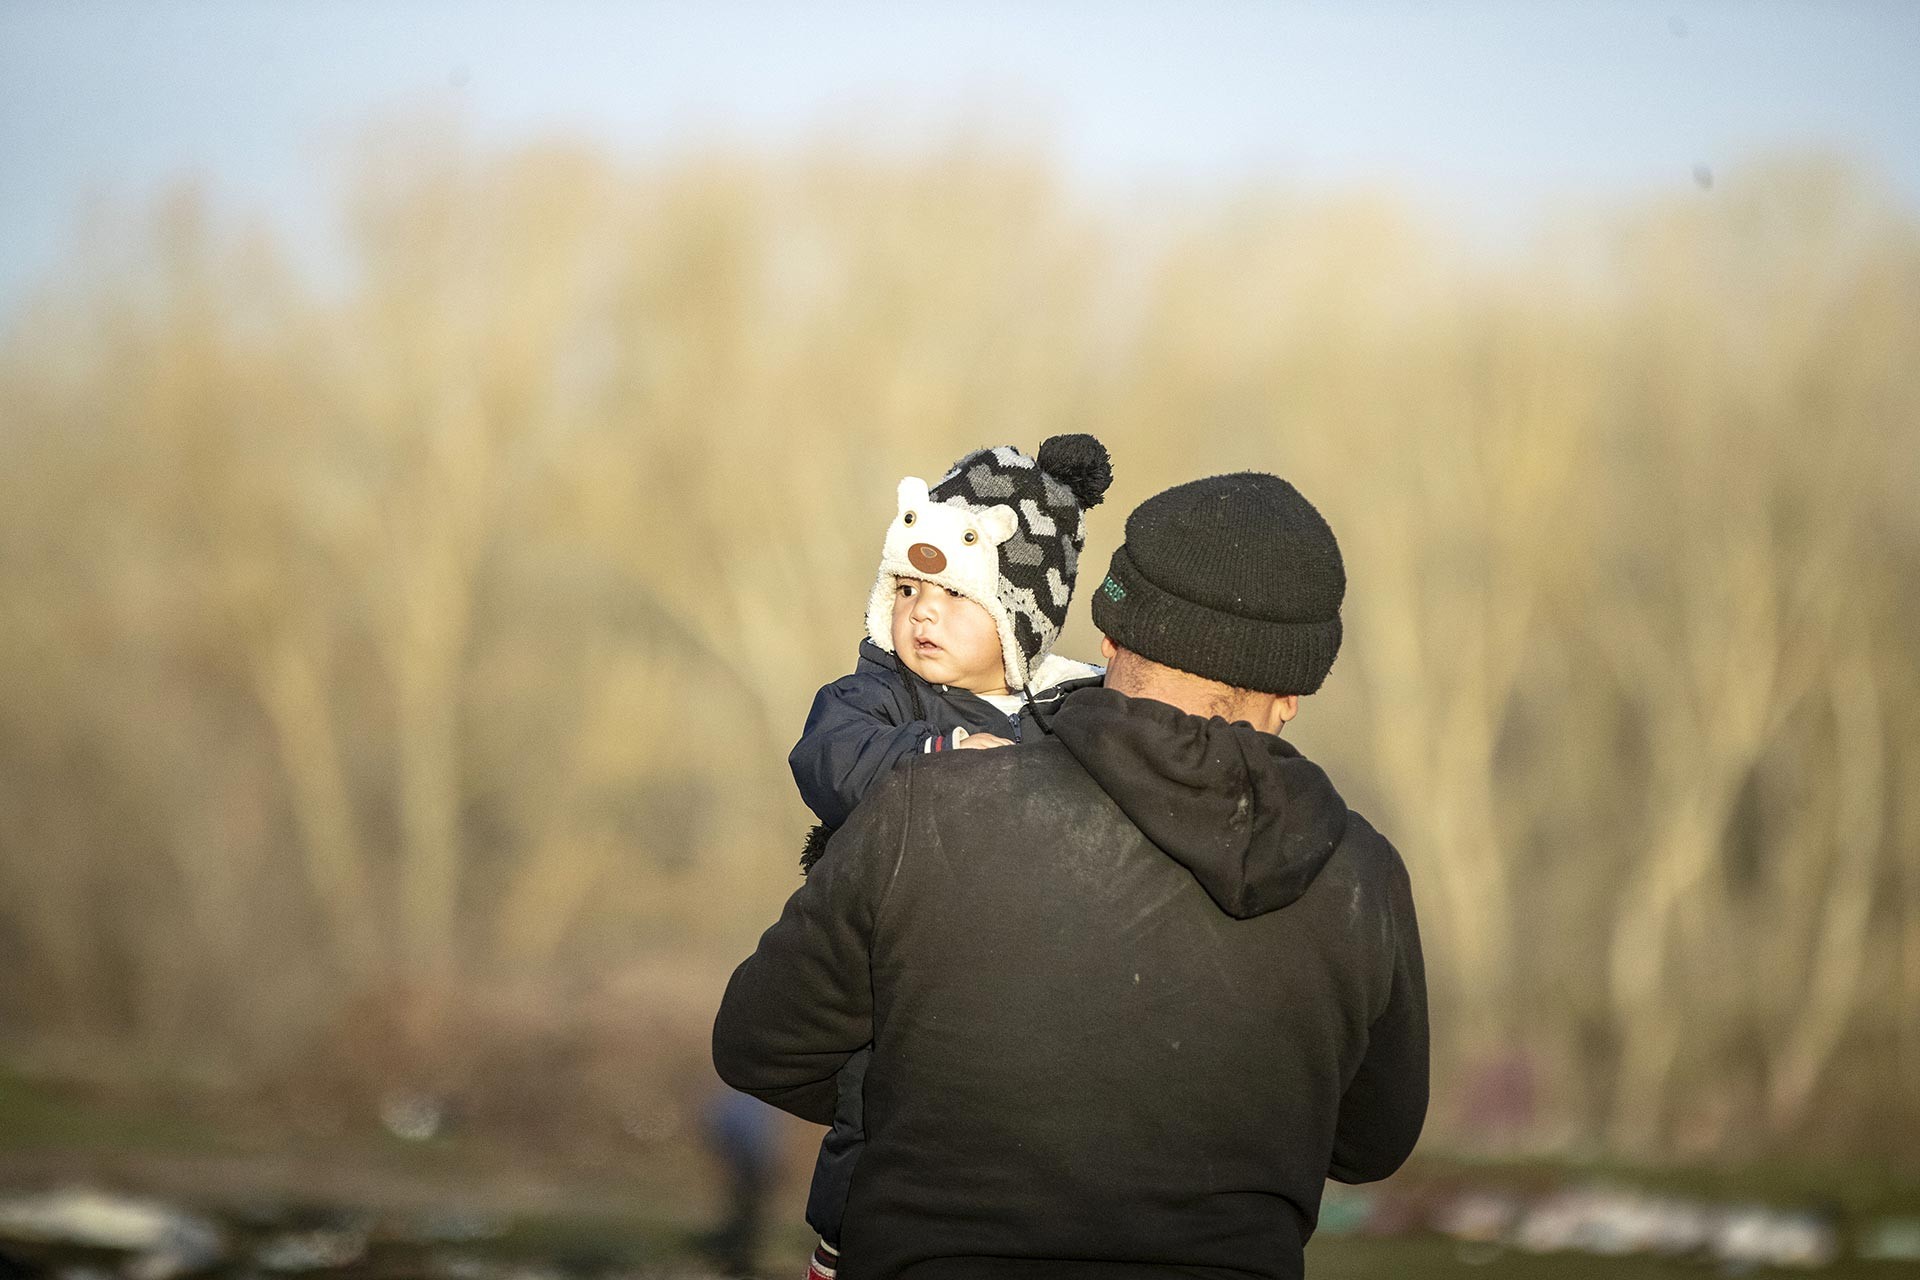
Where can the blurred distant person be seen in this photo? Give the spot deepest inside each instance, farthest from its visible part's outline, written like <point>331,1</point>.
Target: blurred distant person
<point>1136,989</point>
<point>739,1130</point>
<point>975,578</point>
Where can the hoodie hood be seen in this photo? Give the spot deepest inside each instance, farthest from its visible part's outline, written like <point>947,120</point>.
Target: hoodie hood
<point>1249,816</point>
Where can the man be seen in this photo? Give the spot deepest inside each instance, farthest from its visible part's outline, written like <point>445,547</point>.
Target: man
<point>1136,989</point>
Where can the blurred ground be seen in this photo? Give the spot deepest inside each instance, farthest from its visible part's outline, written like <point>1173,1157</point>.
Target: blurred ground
<point>368,1203</point>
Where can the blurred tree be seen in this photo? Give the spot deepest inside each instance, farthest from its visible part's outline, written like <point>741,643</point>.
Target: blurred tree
<point>374,655</point>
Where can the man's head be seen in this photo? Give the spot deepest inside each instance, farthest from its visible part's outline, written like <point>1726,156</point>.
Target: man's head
<point>1002,530</point>
<point>1226,594</point>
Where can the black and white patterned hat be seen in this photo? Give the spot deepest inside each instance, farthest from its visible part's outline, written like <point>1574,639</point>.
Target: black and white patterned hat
<point>1005,531</point>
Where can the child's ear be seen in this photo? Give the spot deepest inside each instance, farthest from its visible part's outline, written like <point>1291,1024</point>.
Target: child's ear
<point>998,523</point>
<point>912,493</point>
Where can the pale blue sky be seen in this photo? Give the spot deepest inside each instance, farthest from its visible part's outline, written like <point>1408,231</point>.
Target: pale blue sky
<point>1488,110</point>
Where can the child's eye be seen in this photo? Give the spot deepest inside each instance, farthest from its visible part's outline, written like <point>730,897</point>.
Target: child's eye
<point>904,589</point>
<point>955,594</point>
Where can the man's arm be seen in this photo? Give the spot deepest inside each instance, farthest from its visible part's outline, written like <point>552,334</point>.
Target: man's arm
<point>850,743</point>
<point>802,1003</point>
<point>1386,1101</point>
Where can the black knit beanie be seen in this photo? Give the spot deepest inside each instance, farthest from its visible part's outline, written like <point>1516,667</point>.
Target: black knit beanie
<point>1235,578</point>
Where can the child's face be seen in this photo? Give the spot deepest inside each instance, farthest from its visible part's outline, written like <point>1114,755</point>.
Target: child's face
<point>946,638</point>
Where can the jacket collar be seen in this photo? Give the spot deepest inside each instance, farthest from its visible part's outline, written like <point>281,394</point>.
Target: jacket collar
<point>1054,678</point>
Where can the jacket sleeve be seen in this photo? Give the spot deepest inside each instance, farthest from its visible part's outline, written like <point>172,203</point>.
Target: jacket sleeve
<point>852,740</point>
<point>802,1003</point>
<point>1385,1103</point>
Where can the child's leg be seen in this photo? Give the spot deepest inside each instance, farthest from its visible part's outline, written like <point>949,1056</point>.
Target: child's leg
<point>825,1262</point>
<point>839,1151</point>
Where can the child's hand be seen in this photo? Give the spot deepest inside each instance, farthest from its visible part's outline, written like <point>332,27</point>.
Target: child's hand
<point>983,741</point>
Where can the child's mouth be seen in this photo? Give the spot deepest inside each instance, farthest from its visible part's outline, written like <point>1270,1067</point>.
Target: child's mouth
<point>924,646</point>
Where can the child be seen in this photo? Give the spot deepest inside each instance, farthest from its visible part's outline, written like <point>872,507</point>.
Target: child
<point>975,577</point>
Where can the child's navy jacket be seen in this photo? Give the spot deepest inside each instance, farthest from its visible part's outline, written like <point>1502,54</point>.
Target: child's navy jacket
<point>864,724</point>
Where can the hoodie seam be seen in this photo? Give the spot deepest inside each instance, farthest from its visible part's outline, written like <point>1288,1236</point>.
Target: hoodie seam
<point>899,855</point>
<point>1393,927</point>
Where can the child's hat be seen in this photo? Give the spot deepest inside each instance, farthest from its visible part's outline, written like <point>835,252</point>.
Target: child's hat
<point>1005,531</point>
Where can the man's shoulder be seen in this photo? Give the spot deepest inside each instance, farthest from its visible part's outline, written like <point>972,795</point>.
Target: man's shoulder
<point>995,771</point>
<point>1368,850</point>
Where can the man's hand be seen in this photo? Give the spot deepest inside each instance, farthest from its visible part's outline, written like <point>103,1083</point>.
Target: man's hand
<point>983,741</point>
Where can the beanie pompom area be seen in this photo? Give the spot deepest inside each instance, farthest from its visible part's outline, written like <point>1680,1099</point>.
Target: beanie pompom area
<point>1079,462</point>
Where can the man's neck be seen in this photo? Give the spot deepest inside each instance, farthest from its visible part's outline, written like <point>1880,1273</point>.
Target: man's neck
<point>1195,697</point>
<point>1191,694</point>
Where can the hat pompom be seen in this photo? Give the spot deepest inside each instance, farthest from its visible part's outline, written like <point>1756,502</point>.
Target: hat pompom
<point>1079,462</point>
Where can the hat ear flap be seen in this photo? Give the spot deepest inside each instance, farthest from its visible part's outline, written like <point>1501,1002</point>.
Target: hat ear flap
<point>912,493</point>
<point>998,523</point>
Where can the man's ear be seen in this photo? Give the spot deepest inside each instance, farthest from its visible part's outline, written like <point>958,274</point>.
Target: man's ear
<point>998,523</point>
<point>1284,709</point>
<point>912,493</point>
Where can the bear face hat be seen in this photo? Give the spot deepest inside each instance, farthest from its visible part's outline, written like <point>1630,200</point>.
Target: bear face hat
<point>1004,530</point>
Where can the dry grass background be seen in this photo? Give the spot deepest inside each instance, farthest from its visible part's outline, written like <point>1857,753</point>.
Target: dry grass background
<point>396,674</point>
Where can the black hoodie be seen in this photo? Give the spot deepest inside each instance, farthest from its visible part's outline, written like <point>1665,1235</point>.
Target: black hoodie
<point>1135,990</point>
